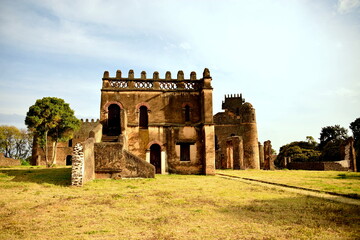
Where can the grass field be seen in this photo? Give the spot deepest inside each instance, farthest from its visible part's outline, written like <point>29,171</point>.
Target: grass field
<point>38,203</point>
<point>327,181</point>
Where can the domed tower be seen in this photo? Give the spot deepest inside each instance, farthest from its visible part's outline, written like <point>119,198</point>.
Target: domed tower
<point>250,136</point>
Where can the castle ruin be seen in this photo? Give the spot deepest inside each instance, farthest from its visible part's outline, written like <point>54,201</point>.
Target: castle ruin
<point>161,125</point>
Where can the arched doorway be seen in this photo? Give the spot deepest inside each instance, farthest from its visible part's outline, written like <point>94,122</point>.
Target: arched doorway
<point>114,128</point>
<point>155,157</point>
<point>68,160</point>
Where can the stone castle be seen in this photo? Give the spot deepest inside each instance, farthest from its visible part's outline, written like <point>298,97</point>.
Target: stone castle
<point>162,125</point>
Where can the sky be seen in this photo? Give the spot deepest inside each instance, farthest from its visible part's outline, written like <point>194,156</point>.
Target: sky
<point>296,61</point>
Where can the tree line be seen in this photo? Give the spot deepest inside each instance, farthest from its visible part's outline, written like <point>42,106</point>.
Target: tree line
<point>50,121</point>
<point>16,143</point>
<point>328,149</point>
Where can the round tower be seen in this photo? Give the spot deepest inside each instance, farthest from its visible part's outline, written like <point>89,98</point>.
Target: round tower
<point>250,136</point>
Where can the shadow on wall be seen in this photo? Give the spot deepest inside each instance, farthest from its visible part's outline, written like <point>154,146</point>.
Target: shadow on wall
<point>56,176</point>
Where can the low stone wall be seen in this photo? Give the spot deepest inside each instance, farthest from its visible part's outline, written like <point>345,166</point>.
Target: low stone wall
<point>7,162</point>
<point>321,166</point>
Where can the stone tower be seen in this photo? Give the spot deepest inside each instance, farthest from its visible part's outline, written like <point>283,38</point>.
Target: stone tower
<point>238,120</point>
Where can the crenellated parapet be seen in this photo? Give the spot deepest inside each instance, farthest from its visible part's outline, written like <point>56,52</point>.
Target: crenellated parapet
<point>120,83</point>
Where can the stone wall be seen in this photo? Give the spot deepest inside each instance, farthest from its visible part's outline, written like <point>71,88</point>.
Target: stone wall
<point>7,162</point>
<point>112,161</point>
<point>65,149</point>
<point>348,153</point>
<point>83,163</point>
<point>268,156</point>
<point>320,166</point>
<point>136,167</point>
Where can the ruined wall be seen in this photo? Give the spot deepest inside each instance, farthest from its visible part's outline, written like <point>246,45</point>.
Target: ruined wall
<point>112,161</point>
<point>7,162</point>
<point>268,156</point>
<point>83,162</point>
<point>348,153</point>
<point>65,149</point>
<point>320,166</point>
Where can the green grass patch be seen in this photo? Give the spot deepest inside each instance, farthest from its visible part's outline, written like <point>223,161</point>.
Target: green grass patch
<point>334,181</point>
<point>36,206</point>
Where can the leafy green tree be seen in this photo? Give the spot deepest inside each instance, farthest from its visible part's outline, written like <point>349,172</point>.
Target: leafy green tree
<point>15,143</point>
<point>51,119</point>
<point>300,151</point>
<point>332,133</point>
<point>355,128</point>
<point>331,138</point>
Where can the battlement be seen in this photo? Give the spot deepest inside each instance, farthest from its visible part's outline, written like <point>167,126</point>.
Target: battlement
<point>91,120</point>
<point>156,83</point>
<point>233,103</point>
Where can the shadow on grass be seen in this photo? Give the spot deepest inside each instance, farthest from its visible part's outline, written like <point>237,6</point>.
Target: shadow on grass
<point>56,176</point>
<point>301,214</point>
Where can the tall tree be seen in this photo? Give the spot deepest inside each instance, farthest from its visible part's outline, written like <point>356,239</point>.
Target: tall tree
<point>15,143</point>
<point>332,134</point>
<point>51,119</point>
<point>331,138</point>
<point>355,128</point>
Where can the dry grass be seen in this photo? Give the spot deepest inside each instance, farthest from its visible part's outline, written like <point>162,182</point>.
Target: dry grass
<point>331,181</point>
<point>35,206</point>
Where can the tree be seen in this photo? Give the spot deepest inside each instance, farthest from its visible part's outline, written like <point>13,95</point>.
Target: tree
<point>331,134</point>
<point>300,151</point>
<point>51,119</point>
<point>331,138</point>
<point>355,128</point>
<point>15,143</point>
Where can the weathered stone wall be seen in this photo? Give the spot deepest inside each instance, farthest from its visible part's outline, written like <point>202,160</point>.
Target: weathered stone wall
<point>136,167</point>
<point>96,133</point>
<point>268,156</point>
<point>83,163</point>
<point>348,153</point>
<point>65,149</point>
<point>112,161</point>
<point>77,171</point>
<point>326,166</point>
<point>7,162</point>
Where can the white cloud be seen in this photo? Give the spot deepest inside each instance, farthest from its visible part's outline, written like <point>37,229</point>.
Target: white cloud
<point>345,6</point>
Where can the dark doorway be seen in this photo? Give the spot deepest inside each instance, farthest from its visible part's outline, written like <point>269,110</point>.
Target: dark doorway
<point>155,157</point>
<point>114,120</point>
<point>68,160</point>
<point>144,120</point>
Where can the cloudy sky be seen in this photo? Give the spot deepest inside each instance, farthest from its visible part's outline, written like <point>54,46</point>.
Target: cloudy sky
<point>296,61</point>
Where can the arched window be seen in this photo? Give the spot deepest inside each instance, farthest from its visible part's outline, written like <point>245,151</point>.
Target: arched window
<point>143,118</point>
<point>187,113</point>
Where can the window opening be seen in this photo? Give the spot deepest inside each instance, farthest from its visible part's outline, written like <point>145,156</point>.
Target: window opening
<point>144,120</point>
